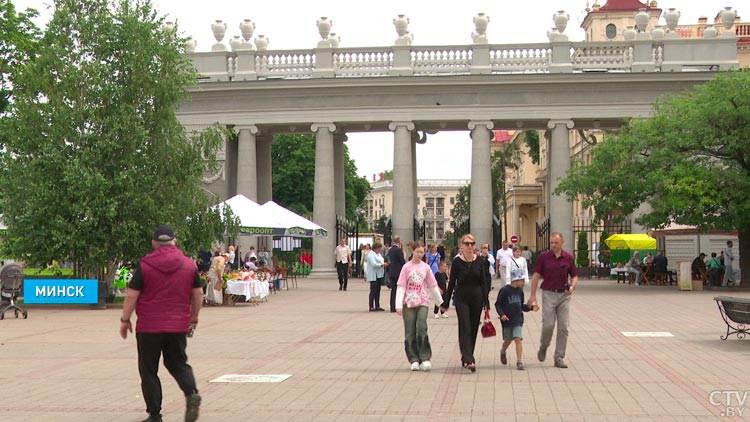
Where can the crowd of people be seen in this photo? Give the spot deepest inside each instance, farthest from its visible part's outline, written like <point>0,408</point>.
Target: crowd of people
<point>416,274</point>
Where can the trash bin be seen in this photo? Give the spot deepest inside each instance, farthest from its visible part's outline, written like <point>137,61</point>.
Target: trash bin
<point>102,293</point>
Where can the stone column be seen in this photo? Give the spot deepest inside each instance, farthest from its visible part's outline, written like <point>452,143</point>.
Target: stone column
<point>265,177</point>
<point>414,176</point>
<point>481,181</point>
<point>402,219</point>
<point>338,173</point>
<point>324,198</point>
<point>265,168</point>
<point>247,174</point>
<point>560,208</point>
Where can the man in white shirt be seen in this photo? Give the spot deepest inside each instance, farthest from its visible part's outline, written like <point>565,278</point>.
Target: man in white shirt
<point>343,262</point>
<point>501,262</point>
<point>728,270</point>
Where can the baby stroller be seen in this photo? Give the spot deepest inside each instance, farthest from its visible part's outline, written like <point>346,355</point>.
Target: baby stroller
<point>11,279</point>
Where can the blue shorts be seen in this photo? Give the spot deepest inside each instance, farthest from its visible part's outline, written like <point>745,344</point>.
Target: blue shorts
<point>509,333</point>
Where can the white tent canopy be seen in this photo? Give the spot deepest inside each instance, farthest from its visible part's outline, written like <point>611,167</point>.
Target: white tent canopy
<point>271,220</point>
<point>293,220</point>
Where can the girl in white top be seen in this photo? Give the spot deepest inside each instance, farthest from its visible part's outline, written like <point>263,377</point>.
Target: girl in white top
<point>414,286</point>
<point>517,262</point>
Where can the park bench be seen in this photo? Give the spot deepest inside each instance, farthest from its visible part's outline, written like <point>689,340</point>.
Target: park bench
<point>736,314</point>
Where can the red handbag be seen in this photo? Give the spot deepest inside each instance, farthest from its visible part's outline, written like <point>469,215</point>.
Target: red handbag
<point>488,330</point>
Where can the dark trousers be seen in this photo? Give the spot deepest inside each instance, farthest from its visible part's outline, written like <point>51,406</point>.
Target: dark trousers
<point>469,305</point>
<point>342,270</point>
<point>393,281</point>
<point>375,293</point>
<point>150,347</point>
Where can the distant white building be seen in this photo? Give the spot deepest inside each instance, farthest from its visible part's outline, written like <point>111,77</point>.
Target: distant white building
<point>435,201</point>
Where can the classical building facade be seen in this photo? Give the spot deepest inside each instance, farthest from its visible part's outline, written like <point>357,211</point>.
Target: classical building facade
<point>329,91</point>
<point>616,21</point>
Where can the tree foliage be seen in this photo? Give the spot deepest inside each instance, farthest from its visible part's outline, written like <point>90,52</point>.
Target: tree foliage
<point>690,162</point>
<point>293,160</point>
<point>18,42</point>
<point>95,157</point>
<point>531,138</point>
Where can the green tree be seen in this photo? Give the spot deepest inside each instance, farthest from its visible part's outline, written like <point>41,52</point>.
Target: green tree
<point>531,137</point>
<point>507,157</point>
<point>293,161</point>
<point>18,42</point>
<point>379,224</point>
<point>690,162</point>
<point>95,157</point>
<point>462,207</point>
<point>582,250</point>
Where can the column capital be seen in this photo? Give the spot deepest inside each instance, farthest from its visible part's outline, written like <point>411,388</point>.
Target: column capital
<point>252,128</point>
<point>340,137</point>
<point>326,125</point>
<point>393,125</point>
<point>568,123</point>
<point>473,124</point>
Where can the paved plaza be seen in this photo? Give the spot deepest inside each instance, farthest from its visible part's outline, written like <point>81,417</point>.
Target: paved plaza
<point>348,364</point>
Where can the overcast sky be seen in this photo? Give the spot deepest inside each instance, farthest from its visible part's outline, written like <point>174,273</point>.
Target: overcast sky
<point>291,25</point>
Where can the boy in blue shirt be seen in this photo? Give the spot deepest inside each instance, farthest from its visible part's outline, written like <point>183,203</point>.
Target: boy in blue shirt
<point>510,306</point>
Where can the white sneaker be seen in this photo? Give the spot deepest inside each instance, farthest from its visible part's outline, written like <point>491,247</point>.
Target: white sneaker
<point>414,366</point>
<point>425,366</point>
<point>436,316</point>
<point>445,315</point>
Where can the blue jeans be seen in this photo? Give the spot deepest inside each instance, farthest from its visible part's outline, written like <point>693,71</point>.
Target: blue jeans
<point>416,342</point>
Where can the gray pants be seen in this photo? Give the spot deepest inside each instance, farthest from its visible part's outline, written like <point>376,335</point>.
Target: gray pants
<point>416,342</point>
<point>728,275</point>
<point>555,307</point>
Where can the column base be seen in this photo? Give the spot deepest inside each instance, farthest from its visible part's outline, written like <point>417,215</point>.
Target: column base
<point>321,273</point>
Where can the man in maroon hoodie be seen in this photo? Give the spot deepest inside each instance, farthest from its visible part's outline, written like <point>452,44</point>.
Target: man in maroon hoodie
<point>166,294</point>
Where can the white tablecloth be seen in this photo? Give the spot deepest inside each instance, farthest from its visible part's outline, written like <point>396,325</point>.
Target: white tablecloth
<point>249,289</point>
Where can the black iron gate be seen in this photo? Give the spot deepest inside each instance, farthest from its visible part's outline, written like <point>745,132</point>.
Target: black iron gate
<point>598,255</point>
<point>460,228</point>
<point>420,231</point>
<point>350,230</point>
<point>542,235</point>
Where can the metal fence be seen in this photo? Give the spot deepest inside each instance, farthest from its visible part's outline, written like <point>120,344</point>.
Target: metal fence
<point>598,256</point>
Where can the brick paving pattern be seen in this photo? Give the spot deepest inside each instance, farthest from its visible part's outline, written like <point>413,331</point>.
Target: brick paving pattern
<point>348,364</point>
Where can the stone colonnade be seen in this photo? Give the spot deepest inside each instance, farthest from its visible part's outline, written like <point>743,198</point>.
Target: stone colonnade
<point>254,180</point>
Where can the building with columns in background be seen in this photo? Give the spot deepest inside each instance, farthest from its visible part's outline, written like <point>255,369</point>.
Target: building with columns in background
<point>404,90</point>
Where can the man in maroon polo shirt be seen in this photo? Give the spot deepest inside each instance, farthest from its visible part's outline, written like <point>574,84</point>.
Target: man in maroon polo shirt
<point>554,266</point>
<point>166,294</point>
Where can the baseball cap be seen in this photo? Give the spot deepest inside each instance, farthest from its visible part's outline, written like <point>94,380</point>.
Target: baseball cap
<point>163,233</point>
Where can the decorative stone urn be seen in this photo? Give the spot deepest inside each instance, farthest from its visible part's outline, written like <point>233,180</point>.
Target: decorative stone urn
<point>657,34</point>
<point>672,17</point>
<point>335,39</point>
<point>236,43</point>
<point>552,34</point>
<point>190,45</point>
<point>561,20</point>
<point>169,26</point>
<point>402,25</point>
<point>727,20</point>
<point>324,27</point>
<point>641,19</point>
<point>709,31</point>
<point>629,33</point>
<point>247,28</point>
<point>261,42</point>
<point>219,28</point>
<point>480,23</point>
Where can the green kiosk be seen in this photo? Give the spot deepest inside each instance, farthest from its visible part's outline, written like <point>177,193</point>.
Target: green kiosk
<point>624,245</point>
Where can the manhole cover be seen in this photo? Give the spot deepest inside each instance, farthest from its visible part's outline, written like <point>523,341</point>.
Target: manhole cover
<point>251,378</point>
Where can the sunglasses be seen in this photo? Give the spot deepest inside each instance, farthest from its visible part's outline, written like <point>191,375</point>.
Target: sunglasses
<point>469,243</point>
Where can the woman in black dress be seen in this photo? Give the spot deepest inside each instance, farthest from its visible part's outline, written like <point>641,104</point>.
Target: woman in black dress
<point>471,280</point>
